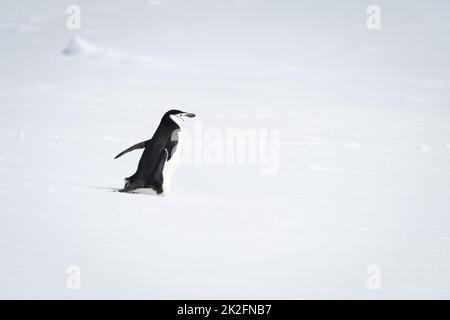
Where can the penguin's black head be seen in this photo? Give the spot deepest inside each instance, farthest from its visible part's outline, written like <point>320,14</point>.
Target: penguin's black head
<point>177,116</point>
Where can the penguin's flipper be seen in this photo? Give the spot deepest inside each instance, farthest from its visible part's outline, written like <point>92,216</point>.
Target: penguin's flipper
<point>139,145</point>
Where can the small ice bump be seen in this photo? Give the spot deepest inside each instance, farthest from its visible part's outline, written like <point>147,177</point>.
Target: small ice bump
<point>78,45</point>
<point>50,189</point>
<point>362,229</point>
<point>21,135</point>
<point>444,238</point>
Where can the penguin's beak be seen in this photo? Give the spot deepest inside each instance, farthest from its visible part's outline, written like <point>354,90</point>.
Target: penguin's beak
<point>189,115</point>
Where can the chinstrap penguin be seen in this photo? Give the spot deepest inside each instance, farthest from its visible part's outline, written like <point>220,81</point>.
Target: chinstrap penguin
<point>160,155</point>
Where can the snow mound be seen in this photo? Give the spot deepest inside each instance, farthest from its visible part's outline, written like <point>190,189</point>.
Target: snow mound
<point>78,45</point>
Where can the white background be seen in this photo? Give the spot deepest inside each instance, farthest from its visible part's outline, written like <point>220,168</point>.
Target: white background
<point>364,122</point>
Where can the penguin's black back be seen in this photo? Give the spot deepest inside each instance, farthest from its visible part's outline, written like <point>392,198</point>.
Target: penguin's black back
<point>152,155</point>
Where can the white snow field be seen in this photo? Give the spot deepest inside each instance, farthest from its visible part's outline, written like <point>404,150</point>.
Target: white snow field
<point>358,205</point>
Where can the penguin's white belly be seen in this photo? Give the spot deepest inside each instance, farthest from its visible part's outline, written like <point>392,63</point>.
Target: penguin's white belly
<point>170,166</point>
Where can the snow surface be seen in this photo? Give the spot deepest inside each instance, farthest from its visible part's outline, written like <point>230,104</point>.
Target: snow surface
<point>364,125</point>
